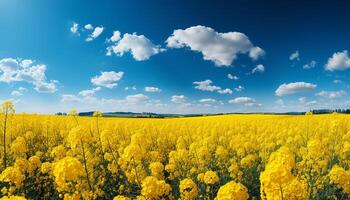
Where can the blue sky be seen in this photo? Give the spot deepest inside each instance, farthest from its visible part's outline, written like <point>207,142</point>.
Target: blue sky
<point>174,56</point>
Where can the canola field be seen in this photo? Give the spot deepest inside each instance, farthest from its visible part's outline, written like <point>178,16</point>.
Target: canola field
<point>228,157</point>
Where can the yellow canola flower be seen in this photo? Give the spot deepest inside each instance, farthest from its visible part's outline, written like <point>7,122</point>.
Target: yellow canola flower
<point>120,197</point>
<point>12,175</point>
<point>155,189</point>
<point>340,177</point>
<point>210,178</point>
<point>12,198</point>
<point>188,189</point>
<point>66,170</point>
<point>232,191</point>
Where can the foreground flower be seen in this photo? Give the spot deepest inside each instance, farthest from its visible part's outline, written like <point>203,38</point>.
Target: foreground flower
<point>232,191</point>
<point>188,189</point>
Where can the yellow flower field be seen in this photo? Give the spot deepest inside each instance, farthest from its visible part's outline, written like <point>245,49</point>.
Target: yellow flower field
<point>216,157</point>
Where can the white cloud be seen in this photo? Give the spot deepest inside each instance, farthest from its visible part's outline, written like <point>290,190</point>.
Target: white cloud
<point>91,92</point>
<point>152,89</point>
<point>232,77</point>
<point>337,81</point>
<point>179,99</point>
<point>16,93</point>
<point>247,101</point>
<point>294,56</point>
<point>137,98</point>
<point>256,52</point>
<point>221,48</point>
<point>74,28</point>
<point>88,27</point>
<point>331,94</point>
<point>139,46</point>
<point>70,98</point>
<point>19,92</point>
<point>225,91</point>
<point>97,32</point>
<point>206,86</point>
<point>116,36</point>
<point>339,61</point>
<point>259,68</point>
<point>107,79</point>
<point>15,70</point>
<point>239,88</point>
<point>208,100</point>
<point>292,88</point>
<point>310,65</point>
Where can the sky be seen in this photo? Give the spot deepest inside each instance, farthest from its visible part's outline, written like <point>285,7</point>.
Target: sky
<point>174,56</point>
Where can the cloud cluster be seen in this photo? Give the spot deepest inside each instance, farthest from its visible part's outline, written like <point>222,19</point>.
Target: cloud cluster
<point>246,101</point>
<point>339,61</point>
<point>331,94</point>
<point>258,69</point>
<point>220,48</point>
<point>292,88</point>
<point>232,77</point>
<point>310,65</point>
<point>152,89</point>
<point>93,33</point>
<point>107,79</point>
<point>294,56</point>
<point>16,70</point>
<point>206,85</point>
<point>179,99</point>
<point>140,47</point>
<point>19,92</point>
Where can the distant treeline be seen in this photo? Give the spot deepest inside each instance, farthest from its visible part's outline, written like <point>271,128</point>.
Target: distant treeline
<point>155,115</point>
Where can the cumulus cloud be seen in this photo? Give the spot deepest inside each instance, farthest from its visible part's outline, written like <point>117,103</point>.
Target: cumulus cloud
<point>206,86</point>
<point>339,61</point>
<point>294,56</point>
<point>256,52</point>
<point>259,68</point>
<point>247,101</point>
<point>86,93</point>
<point>292,88</point>
<point>66,98</point>
<point>140,47</point>
<point>15,70</point>
<point>239,88</point>
<point>88,27</point>
<point>232,77</point>
<point>220,48</point>
<point>152,89</point>
<point>225,91</point>
<point>74,28</point>
<point>310,65</point>
<point>208,100</point>
<point>116,36</point>
<point>181,99</point>
<point>136,98</point>
<point>19,91</point>
<point>331,94</point>
<point>107,79</point>
<point>97,32</point>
